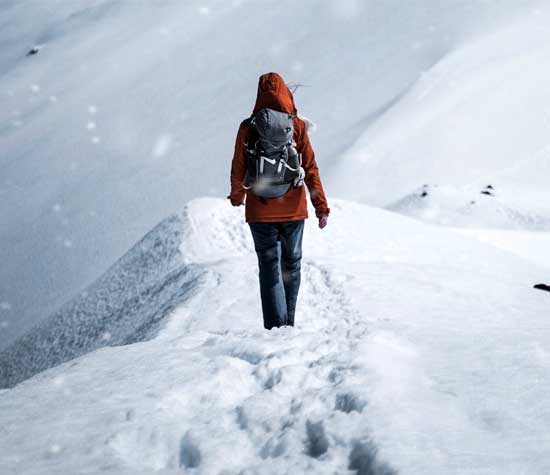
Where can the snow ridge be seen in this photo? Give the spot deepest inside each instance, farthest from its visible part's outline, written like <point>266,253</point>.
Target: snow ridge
<point>492,207</point>
<point>391,365</point>
<point>126,305</point>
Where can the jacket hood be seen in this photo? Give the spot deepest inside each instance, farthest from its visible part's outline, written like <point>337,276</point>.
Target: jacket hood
<point>274,94</point>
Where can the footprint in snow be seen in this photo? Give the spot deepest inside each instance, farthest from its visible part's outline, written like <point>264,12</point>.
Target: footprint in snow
<point>349,402</point>
<point>189,454</point>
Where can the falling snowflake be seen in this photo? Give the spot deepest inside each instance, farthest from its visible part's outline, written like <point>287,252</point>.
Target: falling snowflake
<point>346,9</point>
<point>54,449</point>
<point>5,306</point>
<point>35,88</point>
<point>162,146</point>
<point>91,125</point>
<point>92,109</point>
<point>204,11</point>
<point>96,140</point>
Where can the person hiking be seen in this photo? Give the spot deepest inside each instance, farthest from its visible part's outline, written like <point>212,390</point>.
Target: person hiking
<point>272,160</point>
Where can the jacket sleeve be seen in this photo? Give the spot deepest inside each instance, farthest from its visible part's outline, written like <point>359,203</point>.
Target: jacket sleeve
<point>312,179</point>
<point>238,168</point>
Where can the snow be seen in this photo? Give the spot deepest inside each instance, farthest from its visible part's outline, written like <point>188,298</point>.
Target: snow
<point>124,305</point>
<point>420,345</point>
<point>475,117</point>
<point>478,207</point>
<point>149,70</point>
<point>442,369</point>
<point>527,244</point>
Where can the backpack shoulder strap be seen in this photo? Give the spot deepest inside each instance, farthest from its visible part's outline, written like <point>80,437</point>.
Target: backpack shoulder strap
<point>247,122</point>
<point>252,135</point>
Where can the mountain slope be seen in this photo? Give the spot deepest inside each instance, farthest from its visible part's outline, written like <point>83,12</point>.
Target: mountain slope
<point>127,304</point>
<point>471,207</point>
<point>475,118</point>
<point>416,350</point>
<point>130,108</point>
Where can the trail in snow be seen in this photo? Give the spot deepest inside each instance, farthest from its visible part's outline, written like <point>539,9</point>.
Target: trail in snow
<point>416,350</point>
<point>214,380</point>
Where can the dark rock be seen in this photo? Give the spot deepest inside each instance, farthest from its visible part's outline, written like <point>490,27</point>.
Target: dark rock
<point>34,50</point>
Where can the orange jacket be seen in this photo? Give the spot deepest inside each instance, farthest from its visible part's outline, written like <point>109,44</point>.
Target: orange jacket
<point>292,206</point>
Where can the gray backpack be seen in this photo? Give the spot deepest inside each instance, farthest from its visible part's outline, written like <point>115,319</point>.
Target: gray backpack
<point>273,162</point>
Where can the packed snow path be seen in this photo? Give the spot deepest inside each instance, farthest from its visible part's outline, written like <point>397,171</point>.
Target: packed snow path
<point>416,351</point>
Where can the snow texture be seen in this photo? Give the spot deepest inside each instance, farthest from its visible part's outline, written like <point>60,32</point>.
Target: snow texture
<point>130,108</point>
<point>420,345</point>
<point>405,359</point>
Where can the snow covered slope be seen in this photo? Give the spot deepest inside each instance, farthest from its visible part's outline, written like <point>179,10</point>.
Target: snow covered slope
<point>534,246</point>
<point>125,305</point>
<point>416,350</point>
<point>487,207</point>
<point>129,109</point>
<point>477,117</point>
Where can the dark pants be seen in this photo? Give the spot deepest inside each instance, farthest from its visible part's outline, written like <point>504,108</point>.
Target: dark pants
<point>279,250</point>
